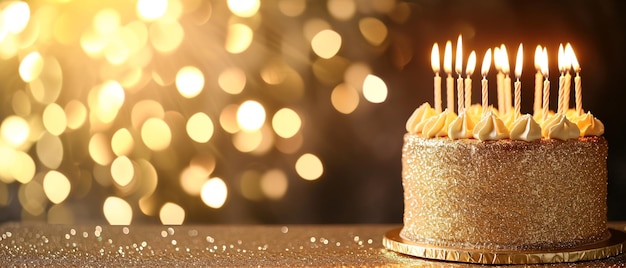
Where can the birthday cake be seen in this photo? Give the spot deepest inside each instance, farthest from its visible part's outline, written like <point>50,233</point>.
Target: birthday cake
<point>496,186</point>
<point>469,182</point>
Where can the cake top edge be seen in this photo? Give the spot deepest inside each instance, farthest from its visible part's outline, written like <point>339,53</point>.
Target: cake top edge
<point>488,124</point>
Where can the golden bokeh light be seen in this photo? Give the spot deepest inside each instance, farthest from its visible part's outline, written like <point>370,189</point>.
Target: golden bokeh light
<point>228,119</point>
<point>6,167</point>
<point>274,184</point>
<point>314,26</point>
<point>117,211</point>
<point>374,89</point>
<point>292,8</point>
<point>107,21</point>
<point>76,114</point>
<point>244,8</point>
<point>309,167</point>
<point>344,98</point>
<point>100,149</point>
<point>122,171</point>
<point>192,178</point>
<point>32,198</point>
<point>172,214</point>
<point>110,98</point>
<point>356,73</point>
<point>291,145</point>
<point>4,195</point>
<point>189,81</point>
<point>286,123</point>
<point>14,131</point>
<point>22,167</point>
<point>15,16</point>
<point>326,44</point>
<point>56,186</point>
<point>200,127</point>
<point>341,9</point>
<point>156,134</point>
<point>49,150</point>
<point>214,193</point>
<point>250,115</point>
<point>60,214</point>
<point>21,104</point>
<point>247,141</point>
<point>232,80</point>
<point>31,66</point>
<point>145,109</point>
<point>46,88</point>
<point>54,119</point>
<point>239,38</point>
<point>374,30</point>
<point>166,35</point>
<point>150,10</point>
<point>122,142</point>
<point>250,185</point>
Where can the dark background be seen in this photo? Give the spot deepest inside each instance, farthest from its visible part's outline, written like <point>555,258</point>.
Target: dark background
<point>361,151</point>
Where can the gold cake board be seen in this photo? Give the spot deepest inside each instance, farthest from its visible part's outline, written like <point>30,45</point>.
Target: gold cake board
<point>612,246</point>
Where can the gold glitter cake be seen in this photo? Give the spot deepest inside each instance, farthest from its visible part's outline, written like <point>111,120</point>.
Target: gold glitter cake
<point>483,181</point>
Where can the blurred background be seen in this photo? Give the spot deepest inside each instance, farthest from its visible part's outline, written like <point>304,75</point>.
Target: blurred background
<point>248,111</point>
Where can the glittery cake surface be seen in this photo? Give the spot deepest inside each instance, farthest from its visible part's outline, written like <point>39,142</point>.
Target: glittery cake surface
<point>504,194</point>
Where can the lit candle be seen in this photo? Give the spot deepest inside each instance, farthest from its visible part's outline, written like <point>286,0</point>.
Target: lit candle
<point>469,70</point>
<point>485,86</point>
<point>518,85</point>
<point>506,69</point>
<point>561,64</point>
<point>458,67</point>
<point>538,80</point>
<point>447,67</point>
<point>434,61</point>
<point>568,77</point>
<point>546,83</point>
<point>577,85</point>
<point>499,79</point>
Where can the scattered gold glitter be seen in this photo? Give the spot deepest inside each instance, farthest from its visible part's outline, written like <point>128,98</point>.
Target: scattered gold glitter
<point>504,194</point>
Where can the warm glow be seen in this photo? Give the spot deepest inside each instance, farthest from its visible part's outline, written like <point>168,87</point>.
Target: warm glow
<point>239,38</point>
<point>497,59</point>
<point>31,66</point>
<point>519,62</point>
<point>344,98</point>
<point>247,141</point>
<point>15,16</point>
<point>434,58</point>
<point>166,35</point>
<point>575,64</point>
<point>341,9</point>
<point>232,80</point>
<point>189,81</point>
<point>22,168</point>
<point>111,97</point>
<point>569,56</point>
<point>374,89</point>
<point>49,150</point>
<point>250,115</point>
<point>561,59</point>
<point>54,119</point>
<point>486,63</point>
<point>458,66</point>
<point>292,8</point>
<point>100,149</point>
<point>200,127</point>
<point>76,113</point>
<point>309,167</point>
<point>214,193</point>
<point>106,22</point>
<point>14,131</point>
<point>471,64</point>
<point>326,43</point>
<point>244,8</point>
<point>117,211</point>
<point>228,118</point>
<point>56,186</point>
<point>150,10</point>
<point>192,178</point>
<point>122,171</point>
<point>447,58</point>
<point>286,123</point>
<point>156,134</point>
<point>172,214</point>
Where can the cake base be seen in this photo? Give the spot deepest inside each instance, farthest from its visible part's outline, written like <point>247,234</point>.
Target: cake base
<point>612,246</point>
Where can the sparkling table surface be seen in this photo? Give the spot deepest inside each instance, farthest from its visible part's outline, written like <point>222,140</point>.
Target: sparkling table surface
<point>39,244</point>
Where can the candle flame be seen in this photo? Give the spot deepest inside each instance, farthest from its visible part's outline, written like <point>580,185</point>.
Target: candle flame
<point>471,64</point>
<point>486,63</point>
<point>447,58</point>
<point>569,52</point>
<point>504,60</point>
<point>519,61</point>
<point>574,61</point>
<point>496,59</point>
<point>561,59</point>
<point>434,58</point>
<point>458,66</point>
<point>538,55</point>
<point>544,63</point>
